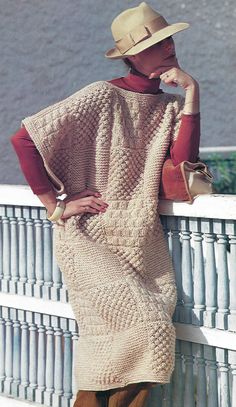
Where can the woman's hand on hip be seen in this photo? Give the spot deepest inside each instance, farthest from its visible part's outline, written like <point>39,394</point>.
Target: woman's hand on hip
<point>85,201</point>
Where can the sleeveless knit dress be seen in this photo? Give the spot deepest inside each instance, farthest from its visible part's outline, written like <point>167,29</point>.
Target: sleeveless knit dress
<point>116,265</point>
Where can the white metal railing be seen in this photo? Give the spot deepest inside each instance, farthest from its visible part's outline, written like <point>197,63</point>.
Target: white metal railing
<point>36,320</point>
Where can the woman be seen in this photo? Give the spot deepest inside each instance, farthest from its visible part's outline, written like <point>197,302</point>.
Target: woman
<point>104,147</point>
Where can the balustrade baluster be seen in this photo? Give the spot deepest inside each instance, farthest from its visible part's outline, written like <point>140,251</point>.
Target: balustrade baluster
<point>29,286</point>
<point>39,271</point>
<point>2,351</point>
<point>67,363</point>
<point>175,251</point>
<point>165,229</point>
<point>16,353</point>
<point>9,353</point>
<point>41,356</point>
<point>56,277</point>
<point>1,252</point>
<point>64,291</point>
<point>178,382</point>
<point>222,358</point>
<point>222,276</point>
<point>186,349</point>
<point>210,274</point>
<point>210,356</point>
<point>155,396</point>
<point>49,361</point>
<point>47,258</point>
<point>32,357</point>
<point>232,361</point>
<point>22,257</point>
<point>166,395</point>
<point>24,356</point>
<point>58,369</point>
<point>199,279</point>
<point>201,375</point>
<point>187,278</point>
<point>231,228</point>
<point>75,337</point>
<point>6,255</point>
<point>14,256</point>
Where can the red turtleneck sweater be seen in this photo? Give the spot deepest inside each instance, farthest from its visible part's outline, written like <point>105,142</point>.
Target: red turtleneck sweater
<point>186,146</point>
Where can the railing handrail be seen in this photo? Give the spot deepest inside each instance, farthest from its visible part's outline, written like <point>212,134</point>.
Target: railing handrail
<point>198,334</point>
<point>218,149</point>
<point>215,206</point>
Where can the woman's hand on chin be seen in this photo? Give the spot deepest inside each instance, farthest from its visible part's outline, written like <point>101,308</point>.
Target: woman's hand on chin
<point>175,77</point>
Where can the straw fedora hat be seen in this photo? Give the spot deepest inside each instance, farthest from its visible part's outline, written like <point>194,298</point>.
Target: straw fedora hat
<point>137,28</point>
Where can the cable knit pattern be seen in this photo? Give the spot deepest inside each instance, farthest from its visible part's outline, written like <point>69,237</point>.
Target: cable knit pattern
<point>116,264</point>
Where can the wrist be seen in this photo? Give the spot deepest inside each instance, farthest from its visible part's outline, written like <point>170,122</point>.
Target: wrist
<point>51,206</point>
<point>193,86</point>
<point>57,212</point>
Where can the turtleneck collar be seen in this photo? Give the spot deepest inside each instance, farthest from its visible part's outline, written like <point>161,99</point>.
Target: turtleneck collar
<point>137,82</point>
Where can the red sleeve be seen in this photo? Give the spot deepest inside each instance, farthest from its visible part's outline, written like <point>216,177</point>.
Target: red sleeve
<point>31,162</point>
<point>186,147</point>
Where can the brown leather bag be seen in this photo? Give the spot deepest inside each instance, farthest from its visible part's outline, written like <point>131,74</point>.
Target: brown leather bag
<point>185,181</point>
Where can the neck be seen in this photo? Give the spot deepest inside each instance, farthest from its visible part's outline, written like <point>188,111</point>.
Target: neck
<point>138,82</point>
<point>141,82</point>
<point>134,71</point>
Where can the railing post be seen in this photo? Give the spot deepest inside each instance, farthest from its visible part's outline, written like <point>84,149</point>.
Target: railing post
<point>14,256</point>
<point>58,369</point>
<point>178,381</point>
<point>188,377</point>
<point>16,354</point>
<point>24,356</point>
<point>50,360</point>
<point>47,257</point>
<point>222,358</point>
<point>2,351</point>
<point>187,278</point>
<point>29,286</point>
<point>41,359</point>
<point>75,338</point>
<point>67,363</point>
<point>175,252</point>
<point>56,289</point>
<point>232,362</point>
<point>210,356</point>
<point>6,254</point>
<point>22,256</point>
<point>222,276</point>
<point>39,272</point>
<point>210,274</point>
<point>33,351</point>
<point>198,273</point>
<point>166,395</point>
<point>9,353</point>
<point>231,229</point>
<point>1,253</point>
<point>201,389</point>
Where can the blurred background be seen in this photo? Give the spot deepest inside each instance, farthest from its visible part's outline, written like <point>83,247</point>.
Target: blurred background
<point>52,48</point>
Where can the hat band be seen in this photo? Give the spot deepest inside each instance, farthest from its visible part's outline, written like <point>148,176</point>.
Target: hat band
<point>140,33</point>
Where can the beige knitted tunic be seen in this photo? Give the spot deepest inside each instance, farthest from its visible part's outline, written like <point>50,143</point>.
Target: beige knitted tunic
<point>116,264</point>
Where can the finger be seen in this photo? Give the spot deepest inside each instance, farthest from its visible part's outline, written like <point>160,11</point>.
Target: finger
<point>169,79</point>
<point>160,71</point>
<point>155,74</point>
<point>88,208</point>
<point>90,199</point>
<point>94,205</point>
<point>88,192</point>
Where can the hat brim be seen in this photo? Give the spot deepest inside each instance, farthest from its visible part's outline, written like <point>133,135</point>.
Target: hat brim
<point>114,53</point>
